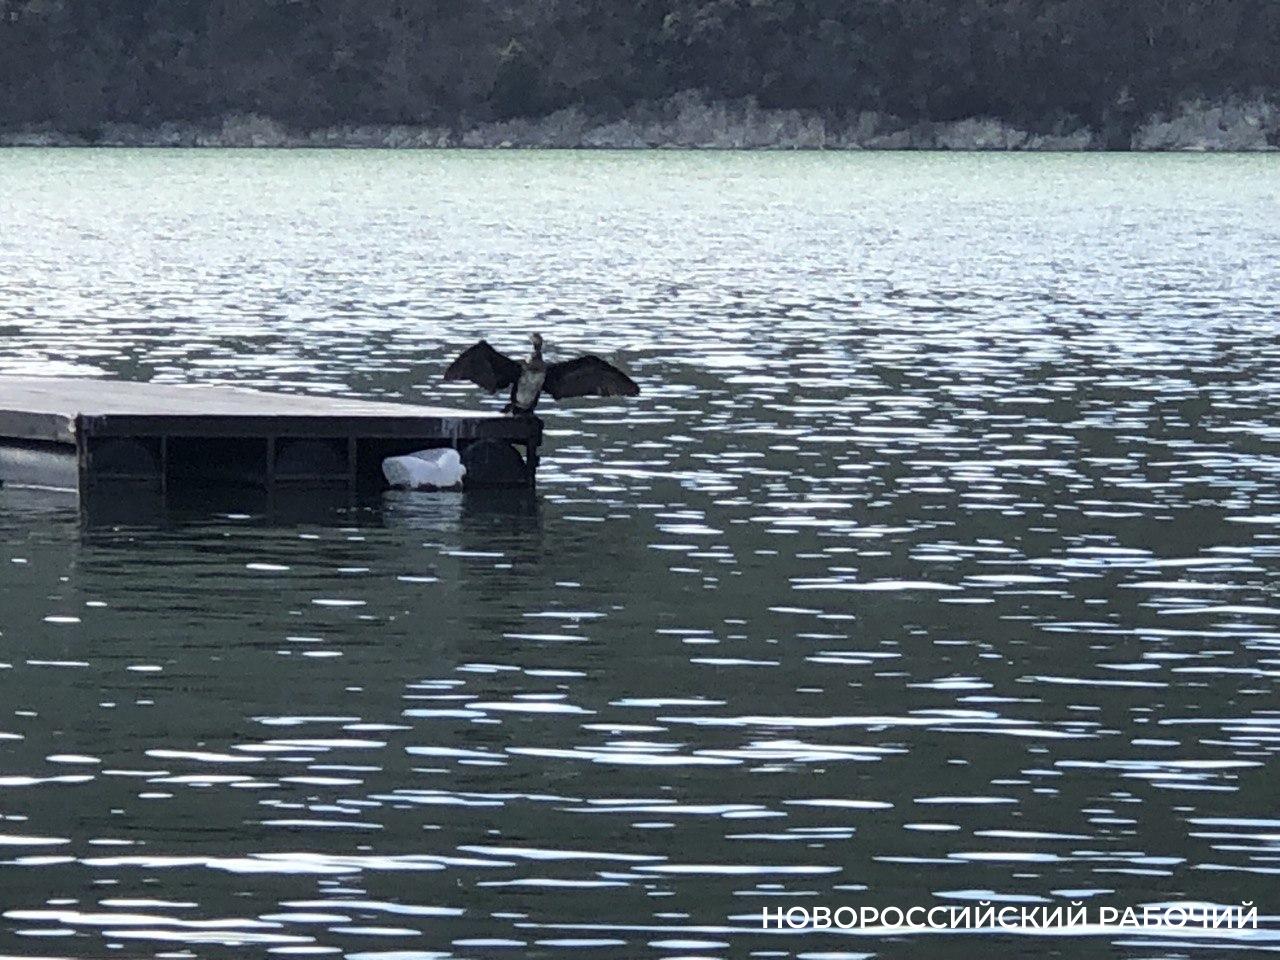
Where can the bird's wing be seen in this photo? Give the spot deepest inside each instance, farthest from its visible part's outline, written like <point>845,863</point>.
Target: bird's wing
<point>588,377</point>
<point>485,367</point>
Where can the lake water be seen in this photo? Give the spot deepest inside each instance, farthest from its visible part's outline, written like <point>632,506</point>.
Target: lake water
<point>938,562</point>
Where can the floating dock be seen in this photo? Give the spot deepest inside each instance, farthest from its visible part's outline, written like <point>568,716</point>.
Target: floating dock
<point>89,435</point>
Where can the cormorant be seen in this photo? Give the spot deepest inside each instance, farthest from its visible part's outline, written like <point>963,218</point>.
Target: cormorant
<point>585,376</point>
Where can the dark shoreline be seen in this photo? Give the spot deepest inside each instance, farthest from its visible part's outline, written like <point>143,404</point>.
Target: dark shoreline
<point>690,121</point>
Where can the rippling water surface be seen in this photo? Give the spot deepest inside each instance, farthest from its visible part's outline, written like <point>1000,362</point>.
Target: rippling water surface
<point>938,562</point>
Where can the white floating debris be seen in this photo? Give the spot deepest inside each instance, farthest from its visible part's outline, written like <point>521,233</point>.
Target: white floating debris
<point>432,469</point>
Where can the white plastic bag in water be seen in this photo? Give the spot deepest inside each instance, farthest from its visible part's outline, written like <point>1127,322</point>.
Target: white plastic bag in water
<point>426,468</point>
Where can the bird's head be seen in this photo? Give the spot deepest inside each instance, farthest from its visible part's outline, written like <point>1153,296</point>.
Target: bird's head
<point>537,343</point>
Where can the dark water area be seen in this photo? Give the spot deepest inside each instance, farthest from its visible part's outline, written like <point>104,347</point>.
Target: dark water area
<point>937,562</point>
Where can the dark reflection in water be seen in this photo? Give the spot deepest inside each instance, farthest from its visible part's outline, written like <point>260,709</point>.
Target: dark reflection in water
<point>937,563</point>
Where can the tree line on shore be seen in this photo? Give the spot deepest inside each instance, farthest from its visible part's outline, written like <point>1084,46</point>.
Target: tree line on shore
<point>75,64</point>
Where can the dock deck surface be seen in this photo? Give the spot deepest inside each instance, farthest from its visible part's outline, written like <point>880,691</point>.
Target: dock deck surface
<point>46,408</point>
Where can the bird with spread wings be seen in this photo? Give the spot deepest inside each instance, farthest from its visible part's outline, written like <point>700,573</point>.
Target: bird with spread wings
<point>586,376</point>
